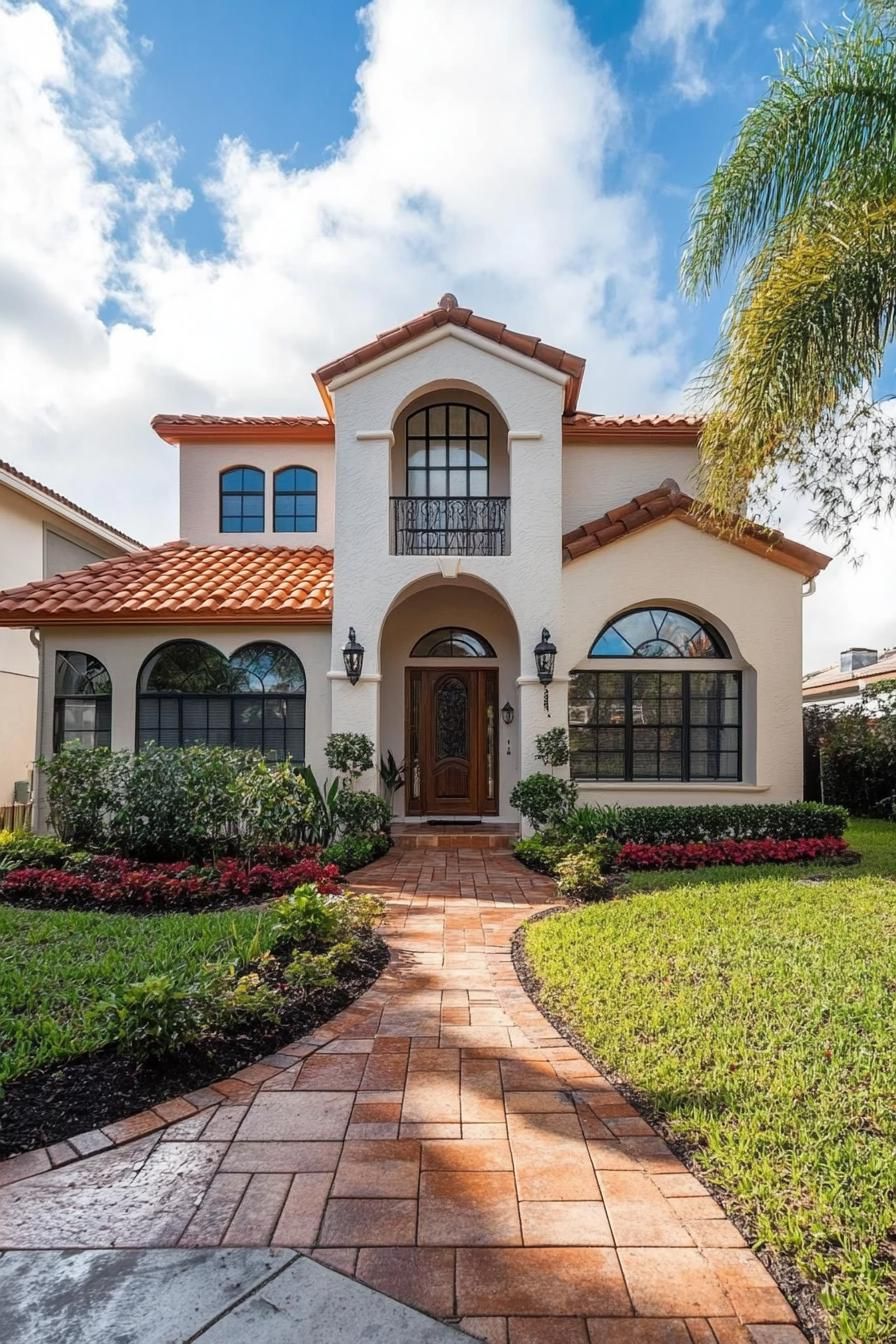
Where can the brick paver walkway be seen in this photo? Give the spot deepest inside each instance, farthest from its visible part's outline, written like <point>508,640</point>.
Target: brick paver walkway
<point>437,1140</point>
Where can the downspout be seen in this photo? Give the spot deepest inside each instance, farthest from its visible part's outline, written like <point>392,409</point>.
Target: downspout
<point>34,636</point>
<point>808,591</point>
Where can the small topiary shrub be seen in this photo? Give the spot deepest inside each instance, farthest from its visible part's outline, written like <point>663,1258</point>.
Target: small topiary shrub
<point>544,800</point>
<point>349,754</point>
<point>552,747</point>
<point>355,851</point>
<point>580,877</point>
<point>361,813</point>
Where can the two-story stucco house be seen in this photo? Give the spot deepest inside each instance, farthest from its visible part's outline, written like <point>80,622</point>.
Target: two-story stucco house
<point>455,510</point>
<point>41,534</point>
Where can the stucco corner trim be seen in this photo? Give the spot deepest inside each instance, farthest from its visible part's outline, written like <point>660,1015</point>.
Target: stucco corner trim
<point>375,436</point>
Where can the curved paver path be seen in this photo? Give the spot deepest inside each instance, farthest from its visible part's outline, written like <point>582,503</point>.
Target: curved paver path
<point>439,1141</point>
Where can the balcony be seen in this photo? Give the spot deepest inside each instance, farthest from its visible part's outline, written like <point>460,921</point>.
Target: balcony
<point>447,526</point>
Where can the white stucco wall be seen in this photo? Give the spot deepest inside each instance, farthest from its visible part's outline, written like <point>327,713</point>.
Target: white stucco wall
<point>757,606</point>
<point>201,465</point>
<point>529,399</point>
<point>35,542</point>
<point>451,603</point>
<point>601,476</point>
<point>123,650</point>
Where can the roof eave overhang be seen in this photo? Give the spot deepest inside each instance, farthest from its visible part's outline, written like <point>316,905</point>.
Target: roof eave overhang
<point>659,434</point>
<point>224,433</point>
<point>326,384</point>
<point>71,515</point>
<point>38,620</point>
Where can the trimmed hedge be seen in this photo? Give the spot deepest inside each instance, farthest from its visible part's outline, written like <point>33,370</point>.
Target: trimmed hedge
<point>738,821</point>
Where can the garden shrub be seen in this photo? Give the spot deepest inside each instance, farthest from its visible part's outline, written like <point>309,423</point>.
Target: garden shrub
<point>168,804</point>
<point>155,1017</point>
<point>305,916</point>
<point>738,852</point>
<point>857,747</point>
<point>544,799</point>
<point>349,754</point>
<point>355,851</point>
<point>552,747</point>
<point>19,849</point>
<point>310,970</point>
<point>361,813</point>
<point>737,821</point>
<point>580,877</point>
<point>544,853</point>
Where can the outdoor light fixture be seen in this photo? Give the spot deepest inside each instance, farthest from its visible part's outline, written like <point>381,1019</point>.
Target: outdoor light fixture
<point>545,654</point>
<point>507,712</point>
<point>353,656</point>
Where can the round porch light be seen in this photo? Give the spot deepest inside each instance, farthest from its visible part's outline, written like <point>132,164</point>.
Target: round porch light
<point>353,656</point>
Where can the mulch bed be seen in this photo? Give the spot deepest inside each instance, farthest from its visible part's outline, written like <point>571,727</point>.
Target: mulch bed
<point>95,1089</point>
<point>801,1295</point>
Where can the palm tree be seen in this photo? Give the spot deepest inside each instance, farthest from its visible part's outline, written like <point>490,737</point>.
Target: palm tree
<point>806,204</point>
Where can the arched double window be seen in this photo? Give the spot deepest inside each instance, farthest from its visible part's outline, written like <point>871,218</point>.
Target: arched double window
<point>242,499</point>
<point>650,725</point>
<point>189,694</point>
<point>295,500</point>
<point>82,708</point>
<point>452,642</point>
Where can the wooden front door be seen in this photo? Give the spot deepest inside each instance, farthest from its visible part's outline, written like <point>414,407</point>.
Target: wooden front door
<point>452,740</point>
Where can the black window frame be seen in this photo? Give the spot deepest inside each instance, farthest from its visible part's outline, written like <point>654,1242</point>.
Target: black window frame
<point>281,492</point>
<point>684,723</point>
<point>101,733</point>
<point>449,632</point>
<point>429,438</point>
<point>720,649</point>
<point>242,494</point>
<point>151,700</point>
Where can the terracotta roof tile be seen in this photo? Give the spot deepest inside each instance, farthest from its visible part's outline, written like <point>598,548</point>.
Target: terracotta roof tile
<point>247,428</point>
<point>448,312</point>
<point>588,427</point>
<point>61,499</point>
<point>667,501</point>
<point>180,582</point>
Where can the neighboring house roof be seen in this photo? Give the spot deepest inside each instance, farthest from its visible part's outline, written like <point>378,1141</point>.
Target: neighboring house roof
<point>581,426</point>
<point>16,480</point>
<point>448,312</point>
<point>180,582</point>
<point>246,428</point>
<point>668,501</point>
<point>835,679</point>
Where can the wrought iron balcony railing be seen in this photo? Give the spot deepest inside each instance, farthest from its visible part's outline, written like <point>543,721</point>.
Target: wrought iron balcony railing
<point>447,526</point>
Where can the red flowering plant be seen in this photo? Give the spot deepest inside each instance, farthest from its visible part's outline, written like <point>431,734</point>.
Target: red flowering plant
<point>707,854</point>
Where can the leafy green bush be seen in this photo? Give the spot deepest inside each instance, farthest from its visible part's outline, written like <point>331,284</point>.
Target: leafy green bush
<point>311,970</point>
<point>545,852</point>
<point>544,800</point>
<point>23,849</point>
<point>306,917</point>
<point>587,823</point>
<point>349,754</point>
<point>164,804</point>
<point>580,877</point>
<point>737,821</point>
<point>155,1017</point>
<point>360,813</point>
<point>858,754</point>
<point>355,851</point>
<point>552,747</point>
<point>359,912</point>
<point>244,1001</point>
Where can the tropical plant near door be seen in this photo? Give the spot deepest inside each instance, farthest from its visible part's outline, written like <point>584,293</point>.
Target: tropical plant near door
<point>808,198</point>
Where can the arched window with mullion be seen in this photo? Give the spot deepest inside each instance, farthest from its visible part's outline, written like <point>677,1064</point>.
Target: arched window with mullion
<point>82,707</point>
<point>242,499</point>
<point>448,452</point>
<point>295,499</point>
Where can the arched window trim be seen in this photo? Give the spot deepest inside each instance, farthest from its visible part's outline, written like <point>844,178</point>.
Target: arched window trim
<point>449,460</point>
<point>268,720</point>
<point>252,521</point>
<point>84,714</point>
<point>719,647</point>
<point>292,520</point>
<point>449,632</point>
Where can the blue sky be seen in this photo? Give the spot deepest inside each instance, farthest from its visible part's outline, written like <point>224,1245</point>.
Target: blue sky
<point>203,200</point>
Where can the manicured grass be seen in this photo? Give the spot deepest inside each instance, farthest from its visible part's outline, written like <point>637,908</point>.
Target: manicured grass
<point>57,968</point>
<point>755,1012</point>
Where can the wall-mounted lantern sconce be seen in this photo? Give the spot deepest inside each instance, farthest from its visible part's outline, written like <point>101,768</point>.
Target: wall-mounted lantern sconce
<point>353,656</point>
<point>545,654</point>
<point>507,712</point>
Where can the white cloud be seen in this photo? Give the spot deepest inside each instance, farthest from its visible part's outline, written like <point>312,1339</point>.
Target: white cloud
<point>478,163</point>
<point>683,27</point>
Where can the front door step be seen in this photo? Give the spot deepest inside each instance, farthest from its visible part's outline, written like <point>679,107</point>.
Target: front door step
<point>452,834</point>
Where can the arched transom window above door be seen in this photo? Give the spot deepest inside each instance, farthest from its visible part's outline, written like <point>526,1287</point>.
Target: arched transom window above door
<point>448,452</point>
<point>452,642</point>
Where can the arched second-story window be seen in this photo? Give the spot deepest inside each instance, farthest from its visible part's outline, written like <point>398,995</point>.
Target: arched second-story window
<point>242,499</point>
<point>82,708</point>
<point>651,725</point>
<point>190,694</point>
<point>295,500</point>
<point>447,451</point>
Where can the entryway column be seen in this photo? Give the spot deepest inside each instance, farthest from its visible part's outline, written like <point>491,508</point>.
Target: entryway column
<point>535,719</point>
<point>356,709</point>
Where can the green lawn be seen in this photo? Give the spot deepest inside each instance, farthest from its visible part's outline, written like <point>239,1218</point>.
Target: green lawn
<point>755,1012</point>
<point>57,967</point>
